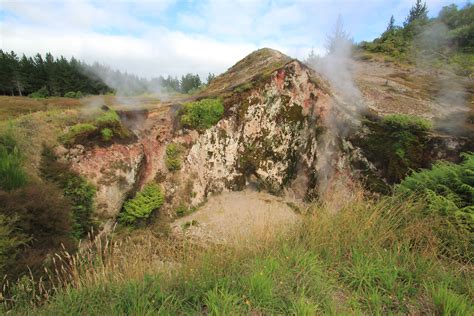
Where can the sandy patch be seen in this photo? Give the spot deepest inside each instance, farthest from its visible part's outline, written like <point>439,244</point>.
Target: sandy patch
<point>234,217</point>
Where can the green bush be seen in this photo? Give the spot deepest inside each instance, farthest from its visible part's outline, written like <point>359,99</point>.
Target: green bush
<point>79,95</point>
<point>12,175</point>
<point>143,204</point>
<point>396,144</point>
<point>75,188</point>
<point>173,156</point>
<point>202,114</point>
<point>40,94</point>
<point>111,120</point>
<point>78,133</point>
<point>105,127</point>
<point>70,94</point>
<point>106,134</point>
<point>449,192</point>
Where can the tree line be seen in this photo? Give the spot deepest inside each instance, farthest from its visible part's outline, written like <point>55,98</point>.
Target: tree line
<point>47,76</point>
<point>43,76</point>
<point>449,37</point>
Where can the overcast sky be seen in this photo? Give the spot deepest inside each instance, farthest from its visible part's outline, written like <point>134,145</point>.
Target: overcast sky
<point>164,37</point>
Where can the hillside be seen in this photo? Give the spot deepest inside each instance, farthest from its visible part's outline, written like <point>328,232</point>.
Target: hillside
<point>270,191</point>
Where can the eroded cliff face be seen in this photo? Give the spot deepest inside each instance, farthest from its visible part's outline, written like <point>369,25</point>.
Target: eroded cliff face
<point>118,170</point>
<point>273,135</point>
<point>114,171</point>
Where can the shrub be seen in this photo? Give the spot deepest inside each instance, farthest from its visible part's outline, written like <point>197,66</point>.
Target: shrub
<point>202,114</point>
<point>79,95</point>
<point>78,133</point>
<point>106,134</point>
<point>70,94</point>
<point>12,175</point>
<point>44,216</point>
<point>75,188</point>
<point>10,240</point>
<point>396,144</point>
<point>173,156</point>
<point>143,204</point>
<point>111,120</point>
<point>40,94</point>
<point>449,191</point>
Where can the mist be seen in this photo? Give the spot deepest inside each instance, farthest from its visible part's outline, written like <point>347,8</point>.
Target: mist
<point>450,103</point>
<point>336,67</point>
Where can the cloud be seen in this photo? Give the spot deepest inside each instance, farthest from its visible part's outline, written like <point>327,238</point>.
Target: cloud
<point>150,38</point>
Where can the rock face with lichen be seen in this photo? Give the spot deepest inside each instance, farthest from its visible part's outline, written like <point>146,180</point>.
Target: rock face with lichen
<point>272,135</point>
<point>114,171</point>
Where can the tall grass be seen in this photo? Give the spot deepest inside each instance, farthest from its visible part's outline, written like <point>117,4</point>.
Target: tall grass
<point>371,257</point>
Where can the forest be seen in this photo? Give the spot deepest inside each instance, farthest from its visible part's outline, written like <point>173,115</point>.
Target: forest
<point>43,76</point>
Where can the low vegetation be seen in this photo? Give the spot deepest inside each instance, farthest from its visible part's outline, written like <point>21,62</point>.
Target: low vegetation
<point>449,192</point>
<point>371,257</point>
<point>173,156</point>
<point>444,40</point>
<point>142,205</point>
<point>202,114</point>
<point>75,188</point>
<point>397,143</point>
<point>12,175</point>
<point>106,127</point>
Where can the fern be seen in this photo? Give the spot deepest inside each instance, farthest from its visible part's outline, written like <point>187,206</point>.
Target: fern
<point>449,191</point>
<point>143,204</point>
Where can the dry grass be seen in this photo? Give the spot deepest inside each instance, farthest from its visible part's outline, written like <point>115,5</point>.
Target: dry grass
<point>12,107</point>
<point>370,257</point>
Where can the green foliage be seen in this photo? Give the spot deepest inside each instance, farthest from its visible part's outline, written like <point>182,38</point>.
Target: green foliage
<point>369,258</point>
<point>75,188</point>
<point>143,204</point>
<point>449,192</point>
<point>111,120</point>
<point>74,95</point>
<point>12,175</point>
<point>202,114</point>
<point>106,134</point>
<point>78,133</point>
<point>396,143</point>
<point>105,127</point>
<point>429,38</point>
<point>10,240</point>
<point>43,76</point>
<point>39,94</point>
<point>173,156</point>
<point>448,302</point>
<point>190,82</point>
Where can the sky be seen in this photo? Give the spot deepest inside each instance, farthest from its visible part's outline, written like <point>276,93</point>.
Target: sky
<point>171,37</point>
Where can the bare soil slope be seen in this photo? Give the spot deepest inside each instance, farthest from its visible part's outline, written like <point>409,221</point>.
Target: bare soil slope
<point>237,217</point>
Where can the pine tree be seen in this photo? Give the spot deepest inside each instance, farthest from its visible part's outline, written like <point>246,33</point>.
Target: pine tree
<point>419,12</point>
<point>391,25</point>
<point>210,78</point>
<point>339,41</point>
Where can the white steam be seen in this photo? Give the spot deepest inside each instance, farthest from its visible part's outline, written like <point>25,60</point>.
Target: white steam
<point>347,103</point>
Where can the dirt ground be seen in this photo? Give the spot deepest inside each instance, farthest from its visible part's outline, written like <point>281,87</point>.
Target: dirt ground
<point>236,217</point>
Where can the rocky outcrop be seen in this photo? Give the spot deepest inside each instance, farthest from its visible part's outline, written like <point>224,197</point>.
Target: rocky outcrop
<point>113,170</point>
<point>275,133</point>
